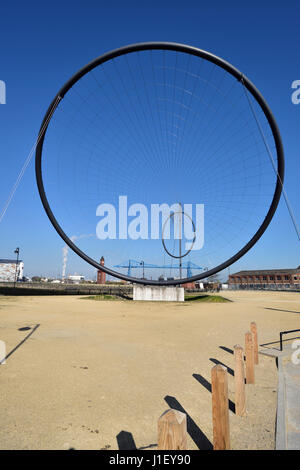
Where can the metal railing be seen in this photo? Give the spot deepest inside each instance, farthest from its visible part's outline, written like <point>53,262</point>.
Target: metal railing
<point>285,333</point>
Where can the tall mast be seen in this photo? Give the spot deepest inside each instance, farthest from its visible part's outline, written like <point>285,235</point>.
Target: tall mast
<point>180,236</point>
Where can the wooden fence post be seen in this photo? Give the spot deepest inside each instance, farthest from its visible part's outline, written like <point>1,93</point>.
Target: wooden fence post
<point>239,381</point>
<point>253,328</point>
<point>220,409</point>
<point>249,358</point>
<point>172,431</point>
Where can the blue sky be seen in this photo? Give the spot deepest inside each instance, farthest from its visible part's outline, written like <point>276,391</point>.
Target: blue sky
<point>42,48</point>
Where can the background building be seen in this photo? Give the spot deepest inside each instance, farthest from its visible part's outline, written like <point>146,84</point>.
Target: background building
<point>76,278</point>
<point>101,275</point>
<point>11,270</point>
<point>266,279</point>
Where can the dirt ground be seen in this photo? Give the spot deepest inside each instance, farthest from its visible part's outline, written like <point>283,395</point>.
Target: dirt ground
<point>97,375</point>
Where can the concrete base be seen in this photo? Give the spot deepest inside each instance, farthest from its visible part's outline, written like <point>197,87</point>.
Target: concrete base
<point>159,293</point>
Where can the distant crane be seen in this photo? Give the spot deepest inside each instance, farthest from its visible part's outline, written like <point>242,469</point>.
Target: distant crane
<point>134,264</point>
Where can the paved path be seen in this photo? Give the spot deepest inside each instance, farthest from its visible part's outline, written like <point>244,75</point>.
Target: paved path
<point>288,405</point>
<point>292,401</point>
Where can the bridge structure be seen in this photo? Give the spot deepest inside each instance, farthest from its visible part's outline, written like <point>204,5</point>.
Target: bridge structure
<point>134,264</point>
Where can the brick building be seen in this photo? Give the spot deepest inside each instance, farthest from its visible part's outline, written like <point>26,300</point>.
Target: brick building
<point>266,278</point>
<point>101,275</point>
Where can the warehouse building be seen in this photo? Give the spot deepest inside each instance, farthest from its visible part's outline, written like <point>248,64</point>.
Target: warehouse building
<point>11,270</point>
<point>75,278</point>
<point>266,279</point>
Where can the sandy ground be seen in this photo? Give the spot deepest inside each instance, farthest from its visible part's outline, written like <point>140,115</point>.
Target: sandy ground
<point>97,375</point>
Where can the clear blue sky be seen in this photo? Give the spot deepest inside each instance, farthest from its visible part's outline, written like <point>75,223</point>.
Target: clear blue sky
<point>42,46</point>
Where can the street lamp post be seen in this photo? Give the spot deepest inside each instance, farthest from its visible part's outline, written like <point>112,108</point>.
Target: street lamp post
<point>17,251</point>
<point>143,263</point>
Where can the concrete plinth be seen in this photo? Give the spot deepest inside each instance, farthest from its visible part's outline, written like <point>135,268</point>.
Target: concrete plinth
<point>159,293</point>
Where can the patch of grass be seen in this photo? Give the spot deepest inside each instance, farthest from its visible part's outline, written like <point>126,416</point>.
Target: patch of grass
<point>100,297</point>
<point>205,298</point>
<point>187,298</point>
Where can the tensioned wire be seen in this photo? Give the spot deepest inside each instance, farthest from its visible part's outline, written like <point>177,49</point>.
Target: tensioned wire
<point>27,161</point>
<point>144,143</point>
<point>274,165</point>
<point>173,113</point>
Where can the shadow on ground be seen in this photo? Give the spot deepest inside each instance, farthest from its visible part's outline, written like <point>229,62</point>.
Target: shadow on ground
<point>199,438</point>
<point>23,340</point>
<point>207,385</point>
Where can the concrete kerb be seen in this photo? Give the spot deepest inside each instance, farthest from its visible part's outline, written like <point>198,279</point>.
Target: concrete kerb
<point>280,433</point>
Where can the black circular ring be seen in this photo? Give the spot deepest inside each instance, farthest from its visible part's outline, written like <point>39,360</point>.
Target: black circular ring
<point>162,235</point>
<point>188,50</point>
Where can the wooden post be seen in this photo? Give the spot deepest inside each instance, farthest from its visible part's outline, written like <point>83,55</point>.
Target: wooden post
<point>220,408</point>
<point>249,358</point>
<point>239,381</point>
<point>172,431</point>
<point>253,329</point>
